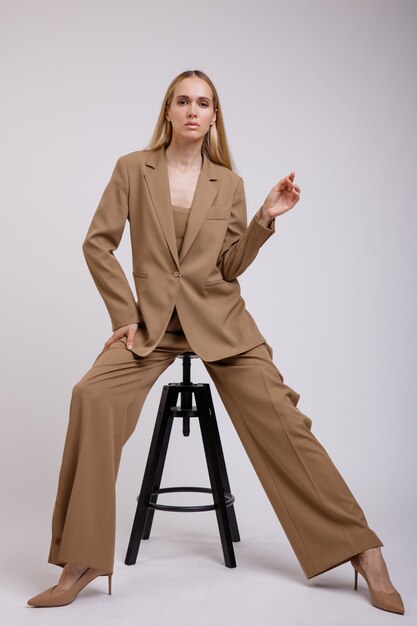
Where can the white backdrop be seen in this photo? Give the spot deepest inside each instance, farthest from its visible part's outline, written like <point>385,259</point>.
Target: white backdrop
<point>325,88</point>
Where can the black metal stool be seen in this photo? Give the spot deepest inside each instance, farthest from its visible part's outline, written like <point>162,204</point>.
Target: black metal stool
<point>220,488</point>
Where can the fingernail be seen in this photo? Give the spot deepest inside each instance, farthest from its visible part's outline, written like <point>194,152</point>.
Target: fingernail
<point>129,345</point>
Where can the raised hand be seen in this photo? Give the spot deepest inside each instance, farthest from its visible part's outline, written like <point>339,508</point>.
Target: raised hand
<point>282,197</point>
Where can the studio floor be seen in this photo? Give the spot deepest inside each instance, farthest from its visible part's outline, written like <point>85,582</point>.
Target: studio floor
<point>180,578</point>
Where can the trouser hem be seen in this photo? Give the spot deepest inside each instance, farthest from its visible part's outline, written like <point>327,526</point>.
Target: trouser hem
<point>334,560</point>
<point>83,563</point>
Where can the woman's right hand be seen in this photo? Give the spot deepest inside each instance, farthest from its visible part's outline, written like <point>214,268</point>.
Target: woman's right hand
<point>128,330</point>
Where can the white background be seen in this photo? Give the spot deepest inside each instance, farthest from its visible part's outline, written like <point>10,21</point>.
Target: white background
<point>325,88</point>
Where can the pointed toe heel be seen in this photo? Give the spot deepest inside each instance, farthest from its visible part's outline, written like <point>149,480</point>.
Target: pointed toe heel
<point>55,596</point>
<point>388,601</point>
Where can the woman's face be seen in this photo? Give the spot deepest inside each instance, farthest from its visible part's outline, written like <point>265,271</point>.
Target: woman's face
<point>192,102</point>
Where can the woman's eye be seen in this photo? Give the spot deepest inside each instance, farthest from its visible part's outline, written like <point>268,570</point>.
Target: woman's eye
<point>205,104</point>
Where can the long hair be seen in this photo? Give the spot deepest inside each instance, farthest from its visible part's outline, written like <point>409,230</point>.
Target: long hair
<point>215,146</point>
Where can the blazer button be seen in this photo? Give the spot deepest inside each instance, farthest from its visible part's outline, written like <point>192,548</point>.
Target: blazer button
<point>177,274</point>
<point>58,540</point>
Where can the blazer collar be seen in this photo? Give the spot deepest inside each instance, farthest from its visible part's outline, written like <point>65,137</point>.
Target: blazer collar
<point>157,181</point>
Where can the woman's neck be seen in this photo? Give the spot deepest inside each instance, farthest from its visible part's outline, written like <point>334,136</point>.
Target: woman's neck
<point>185,158</point>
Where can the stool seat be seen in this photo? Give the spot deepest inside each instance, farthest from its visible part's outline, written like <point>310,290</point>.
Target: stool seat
<point>223,499</point>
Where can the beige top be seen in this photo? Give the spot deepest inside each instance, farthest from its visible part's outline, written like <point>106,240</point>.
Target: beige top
<point>180,221</point>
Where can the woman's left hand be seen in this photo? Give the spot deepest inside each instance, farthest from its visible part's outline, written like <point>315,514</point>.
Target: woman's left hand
<point>282,197</point>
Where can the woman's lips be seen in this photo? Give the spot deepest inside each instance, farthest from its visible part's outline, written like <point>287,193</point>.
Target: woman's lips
<point>192,125</point>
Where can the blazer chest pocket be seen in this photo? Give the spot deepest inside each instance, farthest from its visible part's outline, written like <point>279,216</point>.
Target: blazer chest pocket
<point>140,274</point>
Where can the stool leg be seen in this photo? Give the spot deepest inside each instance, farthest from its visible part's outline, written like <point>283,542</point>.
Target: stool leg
<point>208,436</point>
<point>222,465</point>
<point>161,457</point>
<point>159,442</point>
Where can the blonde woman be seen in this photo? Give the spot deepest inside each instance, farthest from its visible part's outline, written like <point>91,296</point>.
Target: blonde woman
<point>190,239</point>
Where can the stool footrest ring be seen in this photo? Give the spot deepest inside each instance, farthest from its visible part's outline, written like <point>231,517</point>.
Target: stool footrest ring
<point>229,499</point>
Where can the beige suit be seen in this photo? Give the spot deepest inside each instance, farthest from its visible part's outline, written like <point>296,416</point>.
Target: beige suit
<point>320,516</point>
<point>201,281</point>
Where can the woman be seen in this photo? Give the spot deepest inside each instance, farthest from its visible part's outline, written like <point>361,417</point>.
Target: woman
<point>190,240</point>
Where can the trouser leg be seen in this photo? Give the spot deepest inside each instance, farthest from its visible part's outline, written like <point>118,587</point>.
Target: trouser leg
<point>319,514</point>
<point>105,406</point>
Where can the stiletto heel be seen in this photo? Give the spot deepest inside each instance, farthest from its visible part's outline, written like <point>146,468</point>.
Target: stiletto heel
<point>388,601</point>
<point>55,596</point>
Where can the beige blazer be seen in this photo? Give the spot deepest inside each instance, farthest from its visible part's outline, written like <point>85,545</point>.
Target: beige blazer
<point>201,282</point>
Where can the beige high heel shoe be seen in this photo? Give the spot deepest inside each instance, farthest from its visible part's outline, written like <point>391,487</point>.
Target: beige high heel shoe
<point>55,596</point>
<point>388,601</point>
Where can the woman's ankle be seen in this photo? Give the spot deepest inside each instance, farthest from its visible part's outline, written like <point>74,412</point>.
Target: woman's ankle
<point>70,574</point>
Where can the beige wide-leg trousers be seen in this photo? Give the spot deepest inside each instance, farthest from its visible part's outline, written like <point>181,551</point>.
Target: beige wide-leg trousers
<point>319,514</point>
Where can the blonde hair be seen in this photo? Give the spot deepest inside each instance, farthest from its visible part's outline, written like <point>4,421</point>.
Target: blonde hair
<point>215,146</point>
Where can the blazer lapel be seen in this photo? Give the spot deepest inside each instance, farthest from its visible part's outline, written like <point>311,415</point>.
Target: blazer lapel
<point>158,184</point>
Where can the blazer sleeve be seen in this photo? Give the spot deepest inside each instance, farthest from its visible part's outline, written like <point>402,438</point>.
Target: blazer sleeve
<point>242,242</point>
<point>102,239</point>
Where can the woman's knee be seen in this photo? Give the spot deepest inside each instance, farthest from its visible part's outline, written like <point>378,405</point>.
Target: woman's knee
<point>87,391</point>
